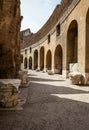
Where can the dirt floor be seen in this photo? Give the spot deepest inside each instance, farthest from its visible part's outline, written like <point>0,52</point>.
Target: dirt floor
<point>52,104</point>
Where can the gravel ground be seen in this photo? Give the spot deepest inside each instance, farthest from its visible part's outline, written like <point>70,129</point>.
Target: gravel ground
<point>52,104</point>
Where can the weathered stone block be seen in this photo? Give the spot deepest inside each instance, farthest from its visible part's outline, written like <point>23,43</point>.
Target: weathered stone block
<point>10,21</point>
<point>73,67</point>
<point>77,79</point>
<point>24,78</point>
<point>8,95</point>
<point>86,78</point>
<point>49,72</point>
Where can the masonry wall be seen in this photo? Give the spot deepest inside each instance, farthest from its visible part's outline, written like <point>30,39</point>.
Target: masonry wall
<point>72,21</point>
<point>9,38</point>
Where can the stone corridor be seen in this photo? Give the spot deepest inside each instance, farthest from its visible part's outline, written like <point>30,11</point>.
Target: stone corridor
<point>52,104</point>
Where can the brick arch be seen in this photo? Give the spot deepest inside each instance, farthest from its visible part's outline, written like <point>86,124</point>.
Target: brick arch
<point>72,43</point>
<point>30,62</point>
<point>36,59</point>
<point>49,59</point>
<point>42,58</point>
<point>87,43</point>
<point>58,60</point>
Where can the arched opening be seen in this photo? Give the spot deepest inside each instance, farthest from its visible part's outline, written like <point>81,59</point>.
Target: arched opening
<point>21,58</point>
<point>48,60</point>
<point>72,44</point>
<point>42,58</point>
<point>87,43</point>
<point>58,60</point>
<point>35,59</point>
<point>30,62</point>
<point>25,63</point>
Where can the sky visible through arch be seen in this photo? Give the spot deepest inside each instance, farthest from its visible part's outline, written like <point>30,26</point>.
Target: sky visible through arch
<point>36,12</point>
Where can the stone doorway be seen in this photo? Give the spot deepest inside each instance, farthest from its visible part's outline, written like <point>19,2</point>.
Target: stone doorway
<point>30,62</point>
<point>72,44</point>
<point>25,63</point>
<point>58,60</point>
<point>35,59</point>
<point>48,60</point>
<point>42,58</point>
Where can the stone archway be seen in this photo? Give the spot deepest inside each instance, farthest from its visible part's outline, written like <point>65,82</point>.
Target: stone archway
<point>35,59</point>
<point>58,60</point>
<point>21,58</point>
<point>30,62</point>
<point>87,43</point>
<point>72,44</point>
<point>42,58</point>
<point>25,63</point>
<point>49,60</point>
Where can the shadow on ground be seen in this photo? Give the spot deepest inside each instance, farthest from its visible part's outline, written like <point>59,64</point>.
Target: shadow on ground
<point>44,111</point>
<point>44,80</point>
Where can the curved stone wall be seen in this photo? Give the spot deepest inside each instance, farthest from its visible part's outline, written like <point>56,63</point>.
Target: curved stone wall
<point>66,39</point>
<point>54,18</point>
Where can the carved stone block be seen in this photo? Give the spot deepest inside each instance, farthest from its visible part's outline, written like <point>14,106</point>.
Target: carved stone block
<point>8,95</point>
<point>77,79</point>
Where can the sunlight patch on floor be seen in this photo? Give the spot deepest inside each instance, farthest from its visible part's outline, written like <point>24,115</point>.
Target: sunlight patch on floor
<point>76,97</point>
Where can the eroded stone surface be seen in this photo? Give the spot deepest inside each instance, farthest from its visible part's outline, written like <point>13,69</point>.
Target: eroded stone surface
<point>24,78</point>
<point>77,79</point>
<point>87,78</point>
<point>9,38</point>
<point>8,95</point>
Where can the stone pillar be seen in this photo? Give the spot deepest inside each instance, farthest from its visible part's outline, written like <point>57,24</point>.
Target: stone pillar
<point>52,69</point>
<point>33,62</point>
<point>38,59</point>
<point>65,74</point>
<point>27,63</point>
<point>44,62</point>
<point>86,76</point>
<point>22,66</point>
<point>10,21</point>
<point>81,45</point>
